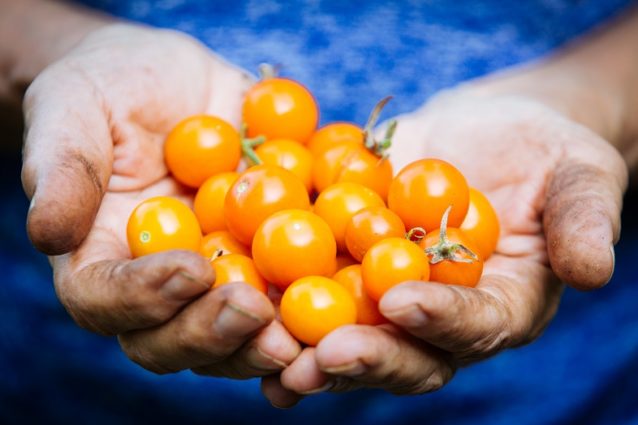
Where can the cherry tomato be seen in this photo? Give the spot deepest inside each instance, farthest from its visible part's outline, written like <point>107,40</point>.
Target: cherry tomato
<point>259,192</point>
<point>390,262</point>
<point>201,146</point>
<point>481,224</point>
<point>280,108</point>
<point>424,189</point>
<point>224,241</point>
<point>160,224</point>
<point>209,201</point>
<point>351,163</point>
<point>345,260</point>
<point>451,271</point>
<point>339,202</point>
<point>369,226</point>
<point>237,268</point>
<point>314,306</point>
<point>290,155</point>
<point>367,311</point>
<point>291,244</point>
<point>335,134</point>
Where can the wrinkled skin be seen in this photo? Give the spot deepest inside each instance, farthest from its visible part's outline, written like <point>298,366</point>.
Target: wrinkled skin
<point>557,188</point>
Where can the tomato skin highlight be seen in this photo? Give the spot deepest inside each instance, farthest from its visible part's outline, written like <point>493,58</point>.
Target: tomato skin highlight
<point>161,224</point>
<point>367,310</point>
<point>481,224</point>
<point>291,244</point>
<point>258,193</point>
<point>280,108</point>
<point>200,147</point>
<point>339,202</point>
<point>335,134</point>
<point>314,306</point>
<point>237,268</point>
<point>209,201</point>
<point>224,241</point>
<point>390,262</point>
<point>369,226</point>
<point>424,189</point>
<point>290,155</point>
<point>451,272</point>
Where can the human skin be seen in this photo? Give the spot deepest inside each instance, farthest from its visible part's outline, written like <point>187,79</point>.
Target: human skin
<point>542,146</point>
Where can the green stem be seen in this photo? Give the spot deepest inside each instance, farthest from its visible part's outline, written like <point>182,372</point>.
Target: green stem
<point>447,250</point>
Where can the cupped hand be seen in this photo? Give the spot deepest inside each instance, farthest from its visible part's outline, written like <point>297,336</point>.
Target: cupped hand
<point>557,188</point>
<point>96,121</point>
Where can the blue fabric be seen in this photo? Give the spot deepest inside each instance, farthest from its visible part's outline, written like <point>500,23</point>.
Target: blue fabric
<point>582,370</point>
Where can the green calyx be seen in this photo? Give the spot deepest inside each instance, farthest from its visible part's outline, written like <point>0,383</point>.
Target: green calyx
<point>379,147</point>
<point>248,146</point>
<point>448,250</point>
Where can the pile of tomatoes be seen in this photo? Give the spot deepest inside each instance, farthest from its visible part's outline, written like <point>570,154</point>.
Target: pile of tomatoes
<point>317,214</point>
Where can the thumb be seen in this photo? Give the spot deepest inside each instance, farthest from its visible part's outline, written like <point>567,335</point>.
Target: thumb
<point>66,160</point>
<point>582,221</point>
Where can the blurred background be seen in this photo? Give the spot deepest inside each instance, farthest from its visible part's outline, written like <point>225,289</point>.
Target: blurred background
<point>583,370</point>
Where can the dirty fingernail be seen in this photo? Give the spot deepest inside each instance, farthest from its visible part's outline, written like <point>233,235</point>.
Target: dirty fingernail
<point>182,286</point>
<point>233,321</point>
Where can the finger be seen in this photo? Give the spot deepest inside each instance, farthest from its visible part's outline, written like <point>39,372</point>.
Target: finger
<point>303,376</point>
<point>115,296</point>
<point>67,159</point>
<point>582,223</point>
<point>207,331</point>
<point>278,396</point>
<point>474,323</point>
<point>272,350</point>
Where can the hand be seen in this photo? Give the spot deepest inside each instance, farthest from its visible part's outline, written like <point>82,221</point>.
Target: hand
<point>96,121</point>
<point>557,188</point>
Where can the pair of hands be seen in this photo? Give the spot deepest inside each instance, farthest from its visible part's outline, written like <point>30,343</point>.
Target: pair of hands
<point>96,121</point>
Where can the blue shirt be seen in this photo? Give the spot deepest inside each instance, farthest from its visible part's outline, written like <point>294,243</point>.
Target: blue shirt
<point>582,370</point>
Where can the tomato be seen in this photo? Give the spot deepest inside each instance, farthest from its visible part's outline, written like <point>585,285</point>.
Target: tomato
<point>456,266</point>
<point>424,189</point>
<point>209,201</point>
<point>390,262</point>
<point>290,155</point>
<point>369,226</point>
<point>367,311</point>
<point>339,202</point>
<point>237,268</point>
<point>259,192</point>
<point>335,134</point>
<point>280,108</point>
<point>160,224</point>
<point>291,244</point>
<point>223,241</point>
<point>481,224</point>
<point>314,306</point>
<point>350,163</point>
<point>201,146</point>
<point>345,260</point>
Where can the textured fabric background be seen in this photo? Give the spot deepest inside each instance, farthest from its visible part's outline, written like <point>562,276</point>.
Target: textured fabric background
<point>583,370</point>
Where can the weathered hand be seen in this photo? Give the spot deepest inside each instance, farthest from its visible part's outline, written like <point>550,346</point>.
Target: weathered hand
<point>96,121</point>
<point>557,188</point>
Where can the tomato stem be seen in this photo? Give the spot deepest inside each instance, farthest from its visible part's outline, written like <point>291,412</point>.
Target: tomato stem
<point>379,148</point>
<point>447,250</point>
<point>248,145</point>
<point>267,71</point>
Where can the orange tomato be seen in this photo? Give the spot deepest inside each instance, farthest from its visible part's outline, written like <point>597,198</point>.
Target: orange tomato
<point>351,163</point>
<point>390,262</point>
<point>367,311</point>
<point>237,268</point>
<point>280,108</point>
<point>160,224</point>
<point>466,272</point>
<point>424,189</point>
<point>209,201</point>
<point>339,202</point>
<point>259,192</point>
<point>291,244</point>
<point>201,146</point>
<point>481,224</point>
<point>369,226</point>
<point>345,260</point>
<point>314,306</point>
<point>224,241</point>
<point>335,134</point>
<point>288,154</point>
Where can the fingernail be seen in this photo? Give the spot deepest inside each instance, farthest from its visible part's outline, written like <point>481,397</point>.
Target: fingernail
<point>183,286</point>
<point>353,369</point>
<point>321,389</point>
<point>613,263</point>
<point>265,361</point>
<point>233,321</point>
<point>282,407</point>
<point>411,316</point>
